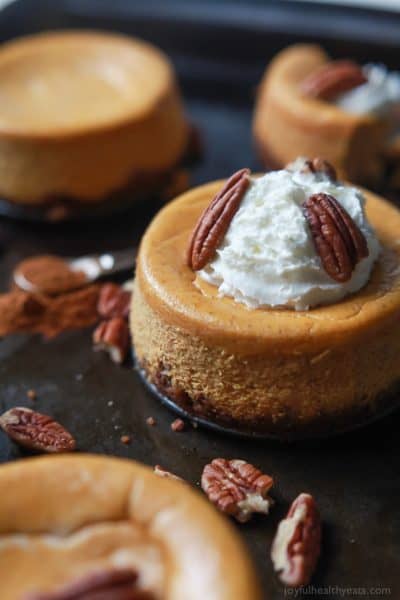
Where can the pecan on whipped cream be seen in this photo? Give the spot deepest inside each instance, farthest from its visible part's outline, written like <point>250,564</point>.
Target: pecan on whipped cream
<point>379,94</point>
<point>281,250</point>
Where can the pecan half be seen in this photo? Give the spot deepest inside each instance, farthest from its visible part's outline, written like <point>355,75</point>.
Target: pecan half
<point>338,240</point>
<point>332,79</point>
<point>113,337</point>
<point>319,165</point>
<point>158,470</point>
<point>114,301</point>
<point>116,584</point>
<point>237,488</point>
<point>296,547</point>
<point>36,431</point>
<point>215,220</point>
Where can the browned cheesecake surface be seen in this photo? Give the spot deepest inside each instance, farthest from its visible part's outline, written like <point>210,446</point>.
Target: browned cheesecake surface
<point>82,114</point>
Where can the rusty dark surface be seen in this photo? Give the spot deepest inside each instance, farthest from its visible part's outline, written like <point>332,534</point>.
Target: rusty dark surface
<point>355,478</point>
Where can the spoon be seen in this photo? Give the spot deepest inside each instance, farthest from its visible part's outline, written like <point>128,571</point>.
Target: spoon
<point>92,267</point>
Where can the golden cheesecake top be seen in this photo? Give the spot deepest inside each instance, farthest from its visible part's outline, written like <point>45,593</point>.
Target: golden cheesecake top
<point>168,285</point>
<point>66,519</point>
<point>85,114</point>
<point>57,83</point>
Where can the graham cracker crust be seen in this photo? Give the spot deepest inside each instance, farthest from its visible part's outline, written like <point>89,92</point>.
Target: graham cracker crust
<point>286,429</point>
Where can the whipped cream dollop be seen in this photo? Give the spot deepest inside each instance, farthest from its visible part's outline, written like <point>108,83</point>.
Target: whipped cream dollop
<point>380,94</point>
<point>268,257</point>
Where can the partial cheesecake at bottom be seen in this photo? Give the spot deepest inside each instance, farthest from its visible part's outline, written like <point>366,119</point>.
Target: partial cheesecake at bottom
<point>281,372</point>
<point>71,522</point>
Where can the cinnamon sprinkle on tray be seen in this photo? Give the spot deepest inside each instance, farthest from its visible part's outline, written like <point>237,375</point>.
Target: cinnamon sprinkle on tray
<point>30,313</point>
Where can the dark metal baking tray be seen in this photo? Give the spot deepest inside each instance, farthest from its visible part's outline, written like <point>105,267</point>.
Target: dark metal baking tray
<point>219,50</point>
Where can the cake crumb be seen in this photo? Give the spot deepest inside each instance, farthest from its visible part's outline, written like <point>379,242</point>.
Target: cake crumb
<point>151,421</point>
<point>126,439</point>
<point>32,395</point>
<point>158,470</point>
<point>178,425</point>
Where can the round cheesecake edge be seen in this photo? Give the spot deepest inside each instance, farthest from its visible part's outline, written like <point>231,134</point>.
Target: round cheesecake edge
<point>162,506</point>
<point>287,124</point>
<point>90,165</point>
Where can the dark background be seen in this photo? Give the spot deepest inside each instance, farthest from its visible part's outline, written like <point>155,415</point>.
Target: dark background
<point>220,50</point>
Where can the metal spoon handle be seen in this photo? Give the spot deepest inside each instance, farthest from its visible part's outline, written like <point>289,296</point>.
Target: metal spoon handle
<point>100,265</point>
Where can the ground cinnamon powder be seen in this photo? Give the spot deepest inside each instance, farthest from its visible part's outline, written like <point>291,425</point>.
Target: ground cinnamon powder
<point>49,274</point>
<point>48,314</point>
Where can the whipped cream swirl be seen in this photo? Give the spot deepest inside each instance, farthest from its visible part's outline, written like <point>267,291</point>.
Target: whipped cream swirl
<point>380,94</point>
<point>268,257</point>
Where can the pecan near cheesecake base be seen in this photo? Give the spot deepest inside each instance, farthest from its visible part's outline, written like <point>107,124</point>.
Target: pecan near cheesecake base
<point>283,372</point>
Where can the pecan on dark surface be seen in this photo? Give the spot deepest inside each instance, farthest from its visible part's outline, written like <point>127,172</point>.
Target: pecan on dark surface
<point>237,488</point>
<point>36,431</point>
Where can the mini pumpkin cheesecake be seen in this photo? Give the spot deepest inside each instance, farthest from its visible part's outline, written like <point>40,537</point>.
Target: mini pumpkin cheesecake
<point>272,304</point>
<point>89,526</point>
<point>86,117</point>
<point>310,105</point>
